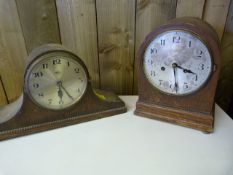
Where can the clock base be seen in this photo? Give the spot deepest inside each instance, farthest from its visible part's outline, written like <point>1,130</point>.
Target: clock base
<point>31,119</point>
<point>200,121</point>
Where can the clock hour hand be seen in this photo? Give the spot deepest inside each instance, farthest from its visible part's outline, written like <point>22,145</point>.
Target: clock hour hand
<point>60,82</point>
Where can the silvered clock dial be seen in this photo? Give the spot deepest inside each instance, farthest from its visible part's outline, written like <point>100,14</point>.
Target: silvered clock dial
<point>177,62</point>
<point>56,80</point>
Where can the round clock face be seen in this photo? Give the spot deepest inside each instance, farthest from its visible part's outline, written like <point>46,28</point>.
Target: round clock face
<point>56,80</point>
<point>177,62</point>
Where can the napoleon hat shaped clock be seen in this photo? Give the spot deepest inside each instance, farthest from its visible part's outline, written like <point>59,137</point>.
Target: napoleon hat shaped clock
<point>57,92</point>
<point>178,68</point>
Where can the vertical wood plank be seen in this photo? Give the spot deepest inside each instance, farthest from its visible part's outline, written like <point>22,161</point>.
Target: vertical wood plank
<point>39,22</point>
<point>116,22</point>
<point>150,14</point>
<point>225,90</point>
<point>192,8</point>
<point>77,21</point>
<point>215,13</point>
<point>3,98</point>
<point>12,49</point>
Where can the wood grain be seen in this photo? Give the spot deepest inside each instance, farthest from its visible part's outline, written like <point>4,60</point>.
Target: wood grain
<point>192,8</point>
<point>39,22</point>
<point>215,13</point>
<point>116,22</point>
<point>77,21</point>
<point>12,49</point>
<point>151,14</point>
<point>3,97</point>
<point>225,90</point>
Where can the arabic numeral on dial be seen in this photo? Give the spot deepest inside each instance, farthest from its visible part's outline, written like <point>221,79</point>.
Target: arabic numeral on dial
<point>68,63</point>
<point>176,39</point>
<point>162,42</point>
<point>45,66</point>
<point>198,53</point>
<point>77,70</point>
<point>56,61</point>
<point>190,43</point>
<point>150,62</point>
<point>61,102</point>
<point>152,73</point>
<point>50,101</point>
<point>160,82</point>
<point>153,51</point>
<point>36,85</point>
<point>41,95</point>
<point>201,66</point>
<point>37,74</point>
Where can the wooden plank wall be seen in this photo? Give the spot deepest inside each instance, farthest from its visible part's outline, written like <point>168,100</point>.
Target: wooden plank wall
<point>106,34</point>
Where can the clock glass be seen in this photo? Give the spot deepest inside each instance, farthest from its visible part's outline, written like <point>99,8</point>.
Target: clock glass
<point>56,80</point>
<point>177,62</point>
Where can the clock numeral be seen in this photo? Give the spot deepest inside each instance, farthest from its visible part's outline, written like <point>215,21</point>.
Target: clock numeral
<point>50,101</point>
<point>162,42</point>
<point>80,79</point>
<point>152,51</point>
<point>68,63</point>
<point>41,95</point>
<point>36,85</point>
<point>150,62</point>
<point>38,74</point>
<point>190,43</point>
<point>61,102</point>
<point>45,66</point>
<point>201,66</point>
<point>176,39</point>
<point>160,82</point>
<point>77,70</point>
<point>198,53</point>
<point>56,61</point>
<point>186,86</point>
<point>152,73</point>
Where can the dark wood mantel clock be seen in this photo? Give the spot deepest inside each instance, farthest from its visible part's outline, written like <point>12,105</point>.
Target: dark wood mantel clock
<point>178,67</point>
<point>57,92</point>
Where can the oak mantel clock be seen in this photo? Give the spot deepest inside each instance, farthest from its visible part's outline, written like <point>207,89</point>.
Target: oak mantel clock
<point>57,92</point>
<point>178,68</point>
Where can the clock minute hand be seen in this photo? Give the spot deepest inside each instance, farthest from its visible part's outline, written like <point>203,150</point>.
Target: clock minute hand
<point>66,91</point>
<point>60,93</point>
<point>174,71</point>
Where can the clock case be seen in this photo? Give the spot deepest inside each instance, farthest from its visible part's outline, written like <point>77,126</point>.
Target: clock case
<point>194,110</point>
<point>31,118</point>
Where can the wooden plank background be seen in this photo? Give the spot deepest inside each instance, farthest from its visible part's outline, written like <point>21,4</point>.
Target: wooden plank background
<point>106,34</point>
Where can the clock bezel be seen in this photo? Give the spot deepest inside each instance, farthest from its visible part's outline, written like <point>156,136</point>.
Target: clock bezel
<point>150,38</point>
<point>35,59</point>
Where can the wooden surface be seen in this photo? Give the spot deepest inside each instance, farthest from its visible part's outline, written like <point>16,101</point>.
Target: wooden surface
<point>106,34</point>
<point>192,8</point>
<point>12,50</point>
<point>77,21</point>
<point>225,88</point>
<point>39,22</point>
<point>116,44</point>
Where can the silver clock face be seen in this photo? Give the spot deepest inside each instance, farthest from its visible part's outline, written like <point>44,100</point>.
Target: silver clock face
<point>56,80</point>
<point>177,62</point>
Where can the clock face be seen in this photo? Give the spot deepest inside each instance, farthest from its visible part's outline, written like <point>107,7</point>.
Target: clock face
<point>177,62</point>
<point>56,80</point>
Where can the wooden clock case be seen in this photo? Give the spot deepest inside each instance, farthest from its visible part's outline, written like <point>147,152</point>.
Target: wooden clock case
<point>194,110</point>
<point>31,118</point>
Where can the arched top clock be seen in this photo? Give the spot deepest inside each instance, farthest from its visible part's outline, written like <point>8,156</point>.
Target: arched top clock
<point>178,67</point>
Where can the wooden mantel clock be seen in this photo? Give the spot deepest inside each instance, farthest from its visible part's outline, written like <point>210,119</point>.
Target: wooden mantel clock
<point>178,68</point>
<point>57,92</point>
